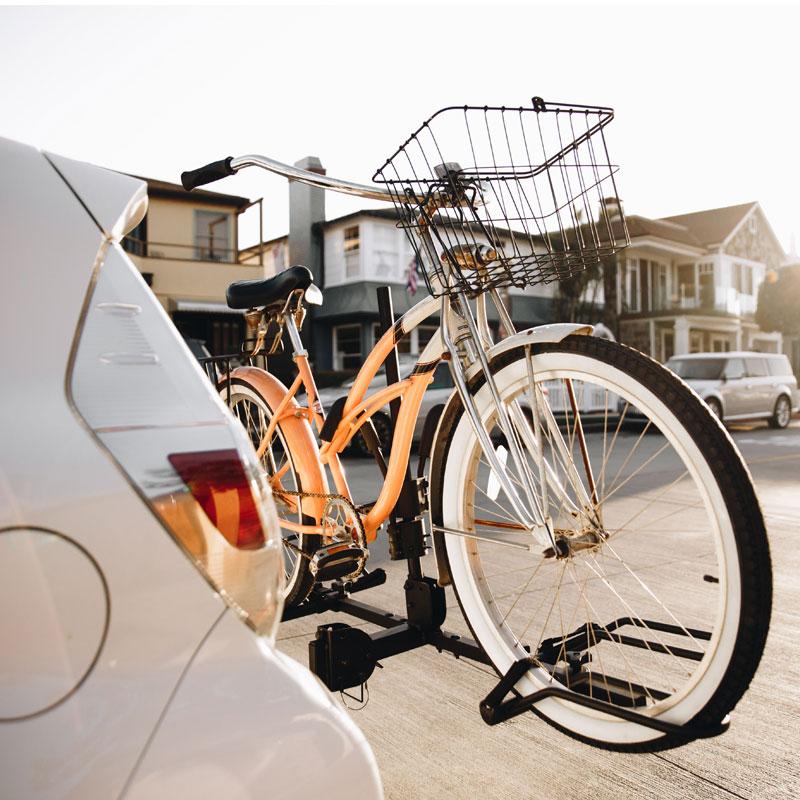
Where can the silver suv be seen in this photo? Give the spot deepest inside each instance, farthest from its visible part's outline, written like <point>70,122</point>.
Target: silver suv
<point>742,385</point>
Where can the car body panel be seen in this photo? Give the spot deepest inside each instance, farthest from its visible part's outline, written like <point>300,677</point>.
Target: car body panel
<point>204,747</point>
<point>149,609</point>
<point>81,747</point>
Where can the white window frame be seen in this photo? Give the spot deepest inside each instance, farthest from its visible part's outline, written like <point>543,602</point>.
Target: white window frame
<point>201,241</point>
<point>338,357</point>
<point>631,265</point>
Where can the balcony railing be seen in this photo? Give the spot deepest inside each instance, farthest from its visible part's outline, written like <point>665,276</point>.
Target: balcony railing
<point>183,252</point>
<point>718,299</point>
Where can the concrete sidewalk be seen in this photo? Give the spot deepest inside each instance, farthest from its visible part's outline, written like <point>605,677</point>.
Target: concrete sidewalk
<point>423,723</point>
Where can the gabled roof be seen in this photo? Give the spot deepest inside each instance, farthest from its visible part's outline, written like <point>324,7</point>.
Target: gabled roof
<point>662,229</point>
<point>712,227</point>
<point>174,191</point>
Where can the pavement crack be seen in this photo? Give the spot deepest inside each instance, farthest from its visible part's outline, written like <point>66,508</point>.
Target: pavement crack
<point>700,777</point>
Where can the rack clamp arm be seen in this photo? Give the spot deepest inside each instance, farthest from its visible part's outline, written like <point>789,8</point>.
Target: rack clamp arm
<point>494,708</point>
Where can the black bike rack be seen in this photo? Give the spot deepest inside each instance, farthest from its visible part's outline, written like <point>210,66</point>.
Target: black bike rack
<point>344,657</point>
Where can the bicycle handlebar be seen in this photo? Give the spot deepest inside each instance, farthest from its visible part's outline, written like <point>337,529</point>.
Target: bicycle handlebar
<point>228,166</point>
<point>214,171</point>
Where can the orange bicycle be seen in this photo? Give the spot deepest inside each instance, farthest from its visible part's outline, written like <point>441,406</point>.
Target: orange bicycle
<point>598,526</point>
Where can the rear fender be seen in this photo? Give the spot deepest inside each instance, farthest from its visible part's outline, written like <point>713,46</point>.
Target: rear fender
<point>541,333</point>
<point>299,437</point>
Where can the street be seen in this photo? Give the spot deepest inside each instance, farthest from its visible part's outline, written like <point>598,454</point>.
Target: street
<point>422,717</point>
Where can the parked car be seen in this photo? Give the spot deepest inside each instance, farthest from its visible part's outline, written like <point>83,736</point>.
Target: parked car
<point>140,558</point>
<point>438,392</point>
<point>742,385</point>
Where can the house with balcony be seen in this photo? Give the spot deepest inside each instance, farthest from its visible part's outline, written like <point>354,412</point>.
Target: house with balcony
<point>187,249</point>
<point>689,283</point>
<point>366,249</point>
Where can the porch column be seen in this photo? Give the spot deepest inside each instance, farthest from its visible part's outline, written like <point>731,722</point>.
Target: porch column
<point>653,353</point>
<point>739,337</point>
<point>681,336</point>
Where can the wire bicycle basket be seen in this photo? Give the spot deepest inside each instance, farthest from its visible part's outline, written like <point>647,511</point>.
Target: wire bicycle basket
<point>532,200</point>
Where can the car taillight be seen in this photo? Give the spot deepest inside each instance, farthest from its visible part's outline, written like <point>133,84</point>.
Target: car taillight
<point>217,481</point>
<point>135,384</point>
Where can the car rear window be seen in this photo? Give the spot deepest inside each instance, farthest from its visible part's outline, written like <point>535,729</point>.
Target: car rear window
<point>756,367</point>
<point>699,369</point>
<point>779,365</point>
<point>442,378</point>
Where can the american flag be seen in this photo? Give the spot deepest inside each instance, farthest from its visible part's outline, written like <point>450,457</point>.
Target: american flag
<point>411,276</point>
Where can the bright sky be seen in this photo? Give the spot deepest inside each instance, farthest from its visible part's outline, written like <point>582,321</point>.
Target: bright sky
<point>706,95</point>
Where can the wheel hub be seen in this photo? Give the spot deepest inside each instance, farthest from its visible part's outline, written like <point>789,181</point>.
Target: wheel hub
<point>569,542</point>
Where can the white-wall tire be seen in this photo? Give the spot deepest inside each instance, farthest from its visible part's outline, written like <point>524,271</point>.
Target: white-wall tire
<point>743,598</point>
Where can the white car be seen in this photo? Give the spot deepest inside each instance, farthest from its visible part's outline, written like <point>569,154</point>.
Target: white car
<point>140,560</point>
<point>742,385</point>
<point>438,392</point>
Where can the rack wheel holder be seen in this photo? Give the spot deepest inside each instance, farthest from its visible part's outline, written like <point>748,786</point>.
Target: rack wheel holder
<point>344,657</point>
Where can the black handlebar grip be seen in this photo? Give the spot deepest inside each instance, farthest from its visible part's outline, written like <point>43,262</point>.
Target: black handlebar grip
<point>214,171</point>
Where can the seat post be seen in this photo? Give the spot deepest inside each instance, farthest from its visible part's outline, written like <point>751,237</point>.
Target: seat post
<point>294,336</point>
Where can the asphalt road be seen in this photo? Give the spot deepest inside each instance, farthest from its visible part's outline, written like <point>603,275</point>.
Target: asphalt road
<point>422,716</point>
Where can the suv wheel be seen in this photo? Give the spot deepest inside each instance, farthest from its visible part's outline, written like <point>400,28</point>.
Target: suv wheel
<point>715,406</point>
<point>782,413</point>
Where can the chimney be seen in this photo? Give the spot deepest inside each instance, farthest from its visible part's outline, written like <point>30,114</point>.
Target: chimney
<point>306,207</point>
<point>611,208</point>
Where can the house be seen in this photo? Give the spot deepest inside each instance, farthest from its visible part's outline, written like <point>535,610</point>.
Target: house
<point>689,283</point>
<point>350,257</point>
<point>187,249</point>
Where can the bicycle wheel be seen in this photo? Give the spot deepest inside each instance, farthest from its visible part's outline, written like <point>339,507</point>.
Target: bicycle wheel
<point>254,413</point>
<point>658,595</point>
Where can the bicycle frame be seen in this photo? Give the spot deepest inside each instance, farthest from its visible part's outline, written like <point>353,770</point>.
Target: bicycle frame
<point>358,410</point>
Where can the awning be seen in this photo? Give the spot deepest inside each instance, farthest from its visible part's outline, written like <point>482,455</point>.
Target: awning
<point>205,307</point>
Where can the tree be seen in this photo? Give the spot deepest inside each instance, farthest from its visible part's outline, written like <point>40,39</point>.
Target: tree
<point>778,306</point>
<point>576,297</point>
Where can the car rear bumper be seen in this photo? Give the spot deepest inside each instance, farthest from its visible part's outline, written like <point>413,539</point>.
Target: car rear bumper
<point>248,722</point>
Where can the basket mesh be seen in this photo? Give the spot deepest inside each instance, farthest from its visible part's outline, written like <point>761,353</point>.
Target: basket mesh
<point>496,196</point>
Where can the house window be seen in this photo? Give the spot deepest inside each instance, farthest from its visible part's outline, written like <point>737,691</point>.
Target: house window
<point>686,287</point>
<point>632,286</point>
<point>384,258</point>
<point>347,347</point>
<point>720,343</point>
<point>660,295</point>
<point>667,344</point>
<point>352,246</point>
<point>212,236</point>
<point>743,278</point>
<point>705,278</point>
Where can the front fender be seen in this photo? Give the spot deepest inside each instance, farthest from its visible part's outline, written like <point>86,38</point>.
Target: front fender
<point>541,333</point>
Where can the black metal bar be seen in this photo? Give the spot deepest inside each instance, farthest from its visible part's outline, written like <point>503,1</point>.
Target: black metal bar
<point>406,535</point>
<point>692,633</point>
<point>459,646</point>
<point>655,647</point>
<point>494,709</point>
<point>396,640</point>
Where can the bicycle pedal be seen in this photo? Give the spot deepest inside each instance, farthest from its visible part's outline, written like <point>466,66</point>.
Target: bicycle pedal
<point>337,560</point>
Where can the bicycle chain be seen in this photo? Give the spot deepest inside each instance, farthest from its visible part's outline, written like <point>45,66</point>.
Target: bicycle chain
<point>360,509</point>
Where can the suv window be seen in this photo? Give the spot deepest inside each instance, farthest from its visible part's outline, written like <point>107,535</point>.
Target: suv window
<point>734,369</point>
<point>756,367</point>
<point>779,365</point>
<point>702,369</point>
